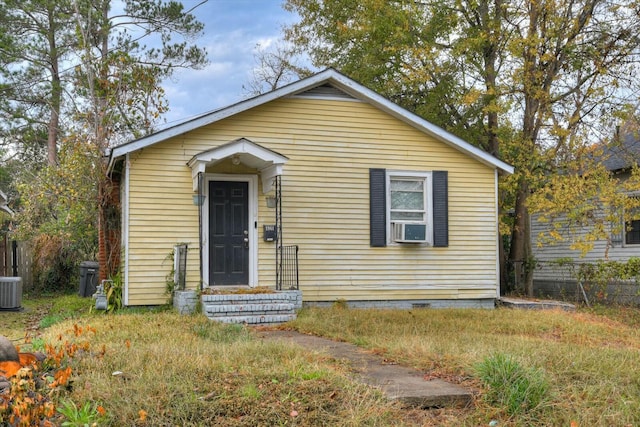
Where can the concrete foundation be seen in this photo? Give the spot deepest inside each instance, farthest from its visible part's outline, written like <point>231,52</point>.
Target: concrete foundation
<point>409,304</point>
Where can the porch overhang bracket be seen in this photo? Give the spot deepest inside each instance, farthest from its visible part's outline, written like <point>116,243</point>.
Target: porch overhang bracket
<point>267,175</point>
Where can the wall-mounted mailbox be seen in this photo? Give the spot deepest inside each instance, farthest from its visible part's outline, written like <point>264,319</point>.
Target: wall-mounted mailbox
<point>269,233</point>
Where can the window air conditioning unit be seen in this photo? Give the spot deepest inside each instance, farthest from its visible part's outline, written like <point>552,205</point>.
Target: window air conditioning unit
<point>409,233</point>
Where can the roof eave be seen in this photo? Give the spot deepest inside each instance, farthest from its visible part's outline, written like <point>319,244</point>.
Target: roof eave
<point>327,76</point>
<point>220,114</point>
<point>355,89</point>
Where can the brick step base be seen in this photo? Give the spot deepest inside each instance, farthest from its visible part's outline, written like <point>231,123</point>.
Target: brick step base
<point>253,309</point>
<point>238,309</point>
<point>256,320</point>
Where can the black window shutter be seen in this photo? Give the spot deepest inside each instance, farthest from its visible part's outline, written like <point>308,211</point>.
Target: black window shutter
<point>377,207</point>
<point>440,209</point>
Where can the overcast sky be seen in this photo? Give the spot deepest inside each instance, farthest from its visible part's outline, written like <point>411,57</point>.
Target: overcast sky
<point>233,28</point>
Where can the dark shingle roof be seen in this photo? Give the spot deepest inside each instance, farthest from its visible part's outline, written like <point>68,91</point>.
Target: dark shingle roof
<point>623,152</point>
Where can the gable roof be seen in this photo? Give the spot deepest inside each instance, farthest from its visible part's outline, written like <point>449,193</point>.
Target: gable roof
<point>268,162</point>
<point>324,84</point>
<point>623,152</point>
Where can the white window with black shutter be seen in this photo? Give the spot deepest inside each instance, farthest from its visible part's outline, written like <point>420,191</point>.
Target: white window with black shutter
<point>409,207</point>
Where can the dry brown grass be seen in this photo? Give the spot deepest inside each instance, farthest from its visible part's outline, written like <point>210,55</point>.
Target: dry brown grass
<point>189,371</point>
<point>186,370</point>
<point>592,361</point>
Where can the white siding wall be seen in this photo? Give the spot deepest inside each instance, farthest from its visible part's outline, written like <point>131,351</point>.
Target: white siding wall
<point>547,253</point>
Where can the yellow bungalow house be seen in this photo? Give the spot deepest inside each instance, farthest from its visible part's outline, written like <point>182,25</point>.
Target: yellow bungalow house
<point>321,184</point>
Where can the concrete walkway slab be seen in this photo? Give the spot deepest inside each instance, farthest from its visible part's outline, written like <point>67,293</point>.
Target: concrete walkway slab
<point>400,383</point>
<point>533,304</point>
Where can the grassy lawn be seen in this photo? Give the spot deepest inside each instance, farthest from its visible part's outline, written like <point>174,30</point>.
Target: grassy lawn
<point>160,368</point>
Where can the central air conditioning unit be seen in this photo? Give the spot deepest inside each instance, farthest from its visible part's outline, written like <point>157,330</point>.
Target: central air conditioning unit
<point>409,233</point>
<point>10,293</point>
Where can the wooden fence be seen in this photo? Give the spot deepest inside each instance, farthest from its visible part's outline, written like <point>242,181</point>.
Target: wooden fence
<point>5,256</point>
<point>16,259</point>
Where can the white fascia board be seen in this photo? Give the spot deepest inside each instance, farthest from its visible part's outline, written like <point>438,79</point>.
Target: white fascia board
<point>239,146</point>
<point>268,174</point>
<point>124,212</point>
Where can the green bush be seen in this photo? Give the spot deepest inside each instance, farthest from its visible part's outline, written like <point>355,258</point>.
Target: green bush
<point>86,415</point>
<point>511,386</point>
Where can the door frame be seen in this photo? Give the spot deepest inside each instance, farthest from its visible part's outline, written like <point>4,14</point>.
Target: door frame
<point>252,181</point>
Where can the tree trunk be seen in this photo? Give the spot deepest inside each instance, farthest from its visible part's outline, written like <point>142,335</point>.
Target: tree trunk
<point>56,91</point>
<point>107,269</point>
<point>489,21</point>
<point>520,251</point>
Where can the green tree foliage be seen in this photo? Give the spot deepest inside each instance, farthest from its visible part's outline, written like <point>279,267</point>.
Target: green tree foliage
<point>119,76</point>
<point>534,82</point>
<point>115,56</point>
<point>35,38</point>
<point>120,81</point>
<point>396,49</point>
<point>59,212</point>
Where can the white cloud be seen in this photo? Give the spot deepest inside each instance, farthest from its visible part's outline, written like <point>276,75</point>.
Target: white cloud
<point>233,30</point>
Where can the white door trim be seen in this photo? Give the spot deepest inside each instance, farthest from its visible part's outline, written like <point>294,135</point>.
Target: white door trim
<point>252,180</point>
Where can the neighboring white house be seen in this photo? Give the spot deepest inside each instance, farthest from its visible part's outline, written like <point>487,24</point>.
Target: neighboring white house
<point>555,279</point>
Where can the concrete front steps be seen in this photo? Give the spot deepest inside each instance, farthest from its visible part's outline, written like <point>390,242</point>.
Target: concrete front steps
<point>252,309</point>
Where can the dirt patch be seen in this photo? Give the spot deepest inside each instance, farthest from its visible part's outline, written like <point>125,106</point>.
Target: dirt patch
<point>23,325</point>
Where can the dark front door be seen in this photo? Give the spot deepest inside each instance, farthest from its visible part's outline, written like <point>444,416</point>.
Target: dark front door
<point>228,233</point>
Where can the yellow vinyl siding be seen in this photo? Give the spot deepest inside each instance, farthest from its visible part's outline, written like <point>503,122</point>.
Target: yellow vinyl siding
<point>161,215</point>
<point>331,145</point>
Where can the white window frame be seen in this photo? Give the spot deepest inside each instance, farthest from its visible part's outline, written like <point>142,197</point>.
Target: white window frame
<point>624,225</point>
<point>623,233</point>
<point>427,179</point>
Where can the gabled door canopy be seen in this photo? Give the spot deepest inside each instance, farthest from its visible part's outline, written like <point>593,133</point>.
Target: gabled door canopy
<point>267,162</point>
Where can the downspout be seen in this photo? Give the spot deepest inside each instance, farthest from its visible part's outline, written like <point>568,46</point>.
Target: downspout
<point>124,223</point>
<point>278,184</point>
<point>497,219</point>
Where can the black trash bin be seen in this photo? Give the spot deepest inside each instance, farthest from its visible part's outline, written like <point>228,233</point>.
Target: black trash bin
<point>88,278</point>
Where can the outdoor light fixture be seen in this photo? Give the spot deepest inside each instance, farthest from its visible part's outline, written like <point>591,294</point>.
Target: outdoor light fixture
<point>198,199</point>
<point>235,160</point>
<point>271,201</point>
